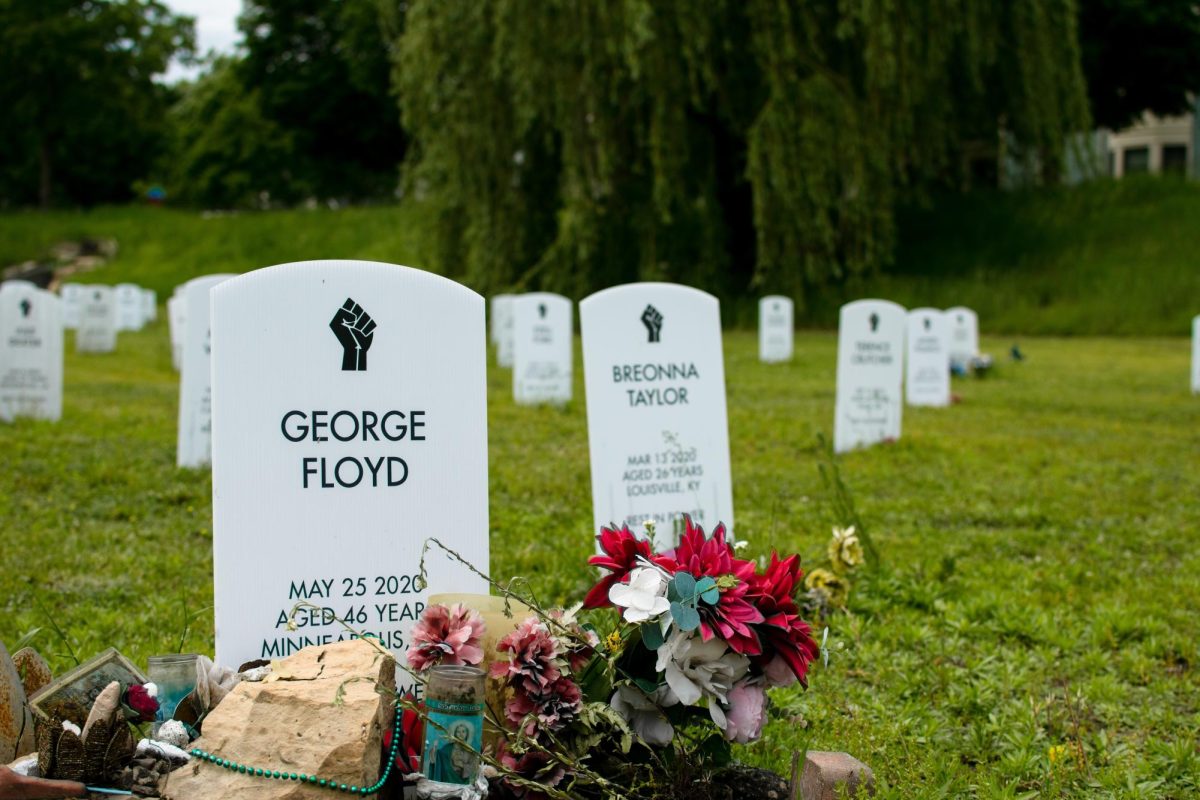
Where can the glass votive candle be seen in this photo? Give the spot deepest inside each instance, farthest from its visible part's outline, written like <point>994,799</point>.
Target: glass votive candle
<point>454,730</point>
<point>175,677</point>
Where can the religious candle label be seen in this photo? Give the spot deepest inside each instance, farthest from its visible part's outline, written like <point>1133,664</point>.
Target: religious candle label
<point>657,430</point>
<point>869,374</point>
<point>775,328</point>
<point>964,335</point>
<point>31,353</point>
<point>97,331</point>
<point>927,367</point>
<point>542,348</point>
<point>349,425</point>
<point>194,436</point>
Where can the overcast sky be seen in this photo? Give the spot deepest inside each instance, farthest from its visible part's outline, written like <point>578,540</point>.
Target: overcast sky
<point>216,28</point>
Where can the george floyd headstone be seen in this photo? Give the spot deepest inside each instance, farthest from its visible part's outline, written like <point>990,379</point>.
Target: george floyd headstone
<point>97,331</point>
<point>775,328</point>
<point>31,353</point>
<point>72,295</point>
<point>927,358</point>
<point>964,335</point>
<point>542,348</point>
<point>176,322</point>
<point>1196,355</point>
<point>349,425</point>
<point>130,307</point>
<point>657,430</point>
<point>502,313</point>
<point>194,437</point>
<point>870,372</point>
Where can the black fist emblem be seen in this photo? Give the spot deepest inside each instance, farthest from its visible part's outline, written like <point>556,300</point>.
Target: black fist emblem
<point>653,322</point>
<point>354,330</point>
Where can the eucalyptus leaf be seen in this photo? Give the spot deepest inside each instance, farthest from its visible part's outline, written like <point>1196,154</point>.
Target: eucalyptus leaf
<point>652,635</point>
<point>707,591</point>
<point>647,686</point>
<point>686,617</point>
<point>685,586</point>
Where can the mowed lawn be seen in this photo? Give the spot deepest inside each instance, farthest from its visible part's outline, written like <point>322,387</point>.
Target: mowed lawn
<point>1033,631</point>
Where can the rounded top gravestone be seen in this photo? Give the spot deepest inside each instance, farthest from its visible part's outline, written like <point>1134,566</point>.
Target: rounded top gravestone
<point>543,347</point>
<point>193,447</point>
<point>964,335</point>
<point>1196,355</point>
<point>775,328</point>
<point>97,331</point>
<point>870,369</point>
<point>927,358</point>
<point>349,424</point>
<point>31,353</point>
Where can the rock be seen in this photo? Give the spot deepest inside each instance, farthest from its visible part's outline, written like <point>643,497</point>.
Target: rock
<point>16,719</point>
<point>826,773</point>
<point>33,669</point>
<point>291,722</point>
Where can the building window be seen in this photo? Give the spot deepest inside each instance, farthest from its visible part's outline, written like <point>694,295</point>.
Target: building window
<point>1135,160</point>
<point>1174,159</point>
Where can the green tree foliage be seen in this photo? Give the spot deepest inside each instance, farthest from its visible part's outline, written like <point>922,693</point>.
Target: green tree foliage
<point>83,116</point>
<point>1140,55</point>
<point>320,70</point>
<point>732,144</point>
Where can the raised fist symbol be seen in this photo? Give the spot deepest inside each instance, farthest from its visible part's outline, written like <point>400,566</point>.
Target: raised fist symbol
<point>542,310</point>
<point>26,307</point>
<point>354,329</point>
<point>653,322</point>
<point>928,323</point>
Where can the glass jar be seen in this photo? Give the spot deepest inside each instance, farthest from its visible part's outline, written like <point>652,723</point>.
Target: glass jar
<point>454,730</point>
<point>175,677</point>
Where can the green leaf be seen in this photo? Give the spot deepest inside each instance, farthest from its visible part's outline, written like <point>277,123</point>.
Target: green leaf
<point>682,588</point>
<point>686,617</point>
<point>707,591</point>
<point>652,635</point>
<point>647,686</point>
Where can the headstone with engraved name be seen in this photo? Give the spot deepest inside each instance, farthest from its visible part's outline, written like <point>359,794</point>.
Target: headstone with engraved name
<point>349,425</point>
<point>149,305</point>
<point>72,295</point>
<point>775,329</point>
<point>542,348</point>
<point>97,331</point>
<point>31,353</point>
<point>657,429</point>
<point>131,307</point>
<point>964,336</point>
<point>194,436</point>
<point>870,374</point>
<point>927,362</point>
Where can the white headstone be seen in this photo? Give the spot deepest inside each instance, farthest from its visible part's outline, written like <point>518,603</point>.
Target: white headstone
<point>130,307</point>
<point>349,425</point>
<point>31,353</point>
<point>775,328</point>
<point>149,305</point>
<point>72,303</point>
<point>194,439</point>
<point>964,335</point>
<point>543,339</point>
<point>1196,355</point>
<point>657,429</point>
<point>870,373</point>
<point>176,322</point>
<point>927,362</point>
<point>495,314</point>
<point>97,331</point>
<point>502,307</point>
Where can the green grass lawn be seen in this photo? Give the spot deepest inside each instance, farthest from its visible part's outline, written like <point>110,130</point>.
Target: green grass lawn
<point>1040,546</point>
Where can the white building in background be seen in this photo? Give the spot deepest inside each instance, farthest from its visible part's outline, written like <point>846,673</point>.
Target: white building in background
<point>1155,145</point>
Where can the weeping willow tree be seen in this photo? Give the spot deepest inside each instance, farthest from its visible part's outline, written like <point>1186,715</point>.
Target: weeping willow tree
<point>734,145</point>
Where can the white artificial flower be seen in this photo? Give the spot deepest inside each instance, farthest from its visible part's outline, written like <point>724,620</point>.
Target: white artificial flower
<point>644,713</point>
<point>151,689</point>
<point>72,727</point>
<point>644,597</point>
<point>697,669</point>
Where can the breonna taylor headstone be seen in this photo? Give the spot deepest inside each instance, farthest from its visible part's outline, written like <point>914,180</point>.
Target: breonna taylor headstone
<point>927,362</point>
<point>870,371</point>
<point>657,430</point>
<point>542,348</point>
<point>964,335</point>
<point>775,328</point>
<point>194,438</point>
<point>31,353</point>
<point>349,425</point>
<point>97,332</point>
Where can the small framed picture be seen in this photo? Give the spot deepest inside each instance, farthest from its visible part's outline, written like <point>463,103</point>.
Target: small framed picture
<point>71,696</point>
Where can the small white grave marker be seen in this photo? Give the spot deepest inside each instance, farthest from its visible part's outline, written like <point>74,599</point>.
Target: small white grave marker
<point>542,348</point>
<point>964,335</point>
<point>194,440</point>
<point>31,353</point>
<point>72,303</point>
<point>502,307</point>
<point>176,323</point>
<point>775,328</point>
<point>657,429</point>
<point>870,371</point>
<point>927,363</point>
<point>149,305</point>
<point>97,331</point>
<point>349,425</point>
<point>1196,355</point>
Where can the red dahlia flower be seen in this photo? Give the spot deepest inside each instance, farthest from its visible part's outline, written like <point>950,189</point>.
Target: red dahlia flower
<point>142,702</point>
<point>621,550</point>
<point>783,633</point>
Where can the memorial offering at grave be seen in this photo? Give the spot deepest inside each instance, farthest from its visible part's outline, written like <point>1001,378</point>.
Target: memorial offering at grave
<point>97,331</point>
<point>194,435</point>
<point>341,440</point>
<point>870,372</point>
<point>775,329</point>
<point>543,340</point>
<point>927,363</point>
<point>964,337</point>
<point>31,353</point>
<point>654,373</point>
<point>131,307</point>
<point>502,328</point>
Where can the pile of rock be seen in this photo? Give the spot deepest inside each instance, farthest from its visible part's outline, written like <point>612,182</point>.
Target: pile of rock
<point>65,259</point>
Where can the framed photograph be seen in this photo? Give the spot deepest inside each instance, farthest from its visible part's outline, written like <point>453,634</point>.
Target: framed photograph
<point>71,696</point>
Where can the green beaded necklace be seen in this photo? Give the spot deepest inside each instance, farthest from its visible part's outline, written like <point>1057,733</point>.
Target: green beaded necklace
<point>324,783</point>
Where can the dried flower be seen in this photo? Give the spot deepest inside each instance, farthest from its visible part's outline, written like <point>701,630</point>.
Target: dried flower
<point>845,551</point>
<point>446,636</point>
<point>534,661</point>
<point>535,766</point>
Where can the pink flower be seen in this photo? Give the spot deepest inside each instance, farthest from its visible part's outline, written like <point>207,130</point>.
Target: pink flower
<point>446,636</point>
<point>555,706</point>
<point>533,657</point>
<point>747,712</point>
<point>534,766</point>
